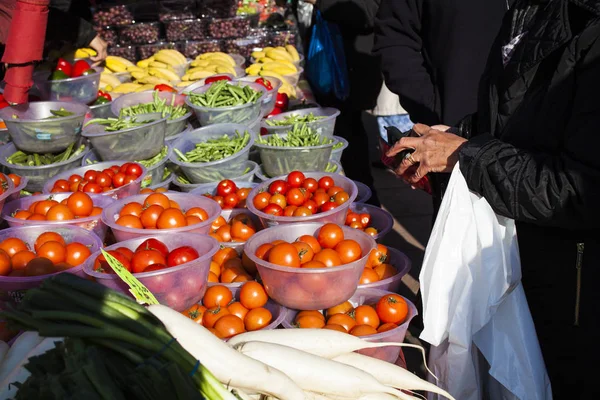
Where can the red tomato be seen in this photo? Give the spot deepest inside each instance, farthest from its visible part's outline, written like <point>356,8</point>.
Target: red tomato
<point>330,205</point>
<point>284,254</point>
<point>311,205</point>
<point>326,182</point>
<point>103,179</point>
<point>295,197</point>
<point>100,265</point>
<point>126,252</point>
<point>330,235</point>
<point>295,179</point>
<point>310,184</point>
<point>261,200</point>
<point>79,68</point>
<point>90,175</point>
<point>226,187</point>
<point>181,255</point>
<point>171,218</point>
<point>118,180</point>
<point>230,200</point>
<point>134,169</point>
<point>144,258</point>
<point>273,209</point>
<point>278,186</point>
<point>154,244</point>
<point>91,187</point>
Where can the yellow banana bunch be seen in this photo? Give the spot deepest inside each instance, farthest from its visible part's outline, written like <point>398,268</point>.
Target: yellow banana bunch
<point>279,54</point>
<point>254,69</point>
<point>85,53</point>
<point>293,52</point>
<point>200,63</point>
<point>170,57</point>
<point>117,64</point>
<point>287,53</point>
<point>184,83</point>
<point>164,74</point>
<point>135,68</point>
<point>145,62</point>
<point>128,87</point>
<point>279,68</point>
<point>217,56</point>
<point>108,80</point>
<point>147,86</point>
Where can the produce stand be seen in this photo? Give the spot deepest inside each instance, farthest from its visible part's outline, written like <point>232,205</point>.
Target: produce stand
<point>157,194</point>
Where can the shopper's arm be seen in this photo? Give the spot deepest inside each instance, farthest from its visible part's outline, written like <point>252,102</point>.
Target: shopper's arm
<point>398,41</point>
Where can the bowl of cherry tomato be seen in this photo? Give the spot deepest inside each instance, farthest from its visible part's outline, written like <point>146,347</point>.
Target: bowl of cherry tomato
<point>228,193</point>
<point>309,266</point>
<point>30,254</point>
<point>234,227</point>
<point>302,197</point>
<point>374,221</point>
<point>227,312</point>
<point>385,269</point>
<point>117,179</point>
<point>158,213</point>
<point>61,209</point>
<point>173,267</point>
<point>19,183</point>
<point>373,315</point>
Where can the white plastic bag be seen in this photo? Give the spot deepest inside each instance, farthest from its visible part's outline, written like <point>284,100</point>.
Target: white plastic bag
<point>474,304</point>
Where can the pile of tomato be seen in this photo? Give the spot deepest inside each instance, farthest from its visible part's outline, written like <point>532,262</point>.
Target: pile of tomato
<point>228,195</point>
<point>95,181</point>
<point>225,316</point>
<point>239,229</point>
<point>159,212</point>
<point>328,249</point>
<point>227,266</point>
<point>378,266</point>
<point>299,196</point>
<point>77,205</point>
<point>388,313</point>
<point>50,254</point>
<point>16,180</point>
<point>150,255</point>
<point>361,222</point>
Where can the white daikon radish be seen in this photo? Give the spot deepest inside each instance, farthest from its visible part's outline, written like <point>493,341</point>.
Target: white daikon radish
<point>314,373</point>
<point>227,365</point>
<point>19,349</point>
<point>390,374</point>
<point>371,396</point>
<point>19,373</point>
<point>3,350</point>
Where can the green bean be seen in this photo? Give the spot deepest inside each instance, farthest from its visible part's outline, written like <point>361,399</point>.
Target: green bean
<point>150,162</point>
<point>224,94</point>
<point>301,135</point>
<point>37,160</point>
<point>118,124</point>
<point>293,120</point>
<point>215,149</point>
<point>157,106</point>
<point>338,145</point>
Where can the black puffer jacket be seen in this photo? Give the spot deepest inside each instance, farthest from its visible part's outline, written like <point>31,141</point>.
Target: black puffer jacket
<point>533,154</point>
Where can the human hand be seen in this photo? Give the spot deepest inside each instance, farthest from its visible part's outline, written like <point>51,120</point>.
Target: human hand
<point>101,47</point>
<point>442,128</point>
<point>435,151</point>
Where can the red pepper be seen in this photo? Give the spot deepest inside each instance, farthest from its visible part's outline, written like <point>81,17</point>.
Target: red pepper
<point>264,131</point>
<point>164,88</point>
<point>212,79</point>
<point>79,68</point>
<point>275,111</point>
<point>64,66</point>
<point>282,101</point>
<point>105,95</point>
<point>265,83</point>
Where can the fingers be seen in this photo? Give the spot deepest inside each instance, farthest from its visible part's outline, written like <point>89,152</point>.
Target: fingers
<point>403,144</point>
<point>419,174</point>
<point>442,128</point>
<point>407,163</point>
<point>421,129</point>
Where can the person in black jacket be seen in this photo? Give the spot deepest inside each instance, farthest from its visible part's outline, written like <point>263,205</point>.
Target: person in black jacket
<point>531,150</point>
<point>355,19</point>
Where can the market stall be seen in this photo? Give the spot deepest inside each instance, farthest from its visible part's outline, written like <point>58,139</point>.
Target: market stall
<point>191,173</point>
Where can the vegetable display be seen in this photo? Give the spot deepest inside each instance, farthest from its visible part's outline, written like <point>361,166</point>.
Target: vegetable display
<point>228,195</point>
<point>157,106</point>
<point>118,124</point>
<point>239,229</point>
<point>224,94</point>
<point>49,254</point>
<point>293,120</point>
<point>146,163</point>
<point>299,196</point>
<point>94,181</point>
<point>378,266</point>
<point>26,159</point>
<point>228,267</point>
<point>301,135</point>
<point>361,222</point>
<point>77,205</point>
<point>215,149</point>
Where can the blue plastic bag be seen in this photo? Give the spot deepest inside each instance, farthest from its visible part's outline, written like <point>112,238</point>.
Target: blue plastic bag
<point>326,63</point>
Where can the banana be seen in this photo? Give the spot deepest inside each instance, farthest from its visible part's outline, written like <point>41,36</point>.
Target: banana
<point>107,88</point>
<point>226,70</point>
<point>179,58</point>
<point>115,65</point>
<point>154,80</point>
<point>184,83</point>
<point>275,65</point>
<point>258,54</point>
<point>288,89</point>
<point>266,60</point>
<point>279,54</point>
<point>137,75</point>
<point>126,87</point>
<point>274,74</point>
<point>208,68</point>
<point>219,63</point>
<point>254,69</point>
<point>217,55</point>
<point>106,79</point>
<point>135,68</point>
<point>85,53</point>
<point>293,52</point>
<point>200,63</point>
<point>268,48</point>
<point>200,75</point>
<point>145,63</point>
<point>119,60</point>
<point>285,71</point>
<point>164,73</point>
<point>166,58</point>
<point>143,88</point>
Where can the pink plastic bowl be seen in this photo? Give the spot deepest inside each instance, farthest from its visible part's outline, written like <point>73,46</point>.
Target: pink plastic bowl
<point>185,201</point>
<point>120,193</point>
<point>337,215</point>
<point>178,287</point>
<point>380,218</point>
<point>396,335</point>
<point>8,193</point>
<point>310,288</point>
<point>12,289</point>
<point>16,194</point>
<point>93,224</point>
<point>402,263</point>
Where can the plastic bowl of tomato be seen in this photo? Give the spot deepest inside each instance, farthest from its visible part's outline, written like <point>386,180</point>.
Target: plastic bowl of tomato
<point>185,201</point>
<point>178,287</point>
<point>236,235</point>
<point>335,213</point>
<point>364,216</point>
<point>401,263</point>
<point>13,288</point>
<point>394,335</point>
<point>228,193</point>
<point>6,191</point>
<point>308,288</point>
<point>91,223</point>
<point>120,192</point>
<point>21,185</point>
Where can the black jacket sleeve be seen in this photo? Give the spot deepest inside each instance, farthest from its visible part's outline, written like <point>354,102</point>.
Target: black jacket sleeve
<point>352,16</point>
<point>398,42</point>
<point>560,190</point>
<point>65,27</point>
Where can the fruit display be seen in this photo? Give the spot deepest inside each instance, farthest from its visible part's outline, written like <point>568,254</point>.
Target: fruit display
<point>48,254</point>
<point>140,33</point>
<point>113,15</point>
<point>221,28</point>
<point>185,29</point>
<point>283,52</point>
<point>276,62</point>
<point>237,229</point>
<point>360,221</point>
<point>245,46</point>
<point>228,195</point>
<point>299,196</point>
<point>219,8</point>
<point>85,52</point>
<point>150,255</point>
<point>77,205</point>
<point>208,64</point>
<point>193,48</point>
<point>124,51</point>
<point>229,268</point>
<point>226,315</point>
<point>109,34</point>
<point>157,211</point>
<point>282,38</point>
<point>99,181</point>
<point>378,266</point>
<point>145,51</point>
<point>159,105</point>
